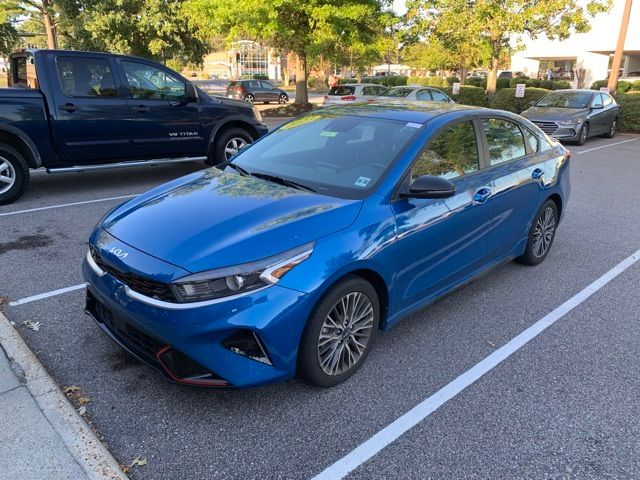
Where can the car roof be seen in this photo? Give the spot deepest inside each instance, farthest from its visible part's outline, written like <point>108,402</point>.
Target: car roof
<point>582,90</point>
<point>417,112</point>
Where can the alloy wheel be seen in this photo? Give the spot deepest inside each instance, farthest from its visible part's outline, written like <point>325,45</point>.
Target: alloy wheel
<point>249,98</point>
<point>583,134</point>
<point>283,99</point>
<point>7,175</point>
<point>614,128</point>
<point>233,146</point>
<point>345,333</point>
<point>543,232</point>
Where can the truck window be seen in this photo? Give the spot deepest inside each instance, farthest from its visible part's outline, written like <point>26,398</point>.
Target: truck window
<point>146,81</point>
<point>86,77</point>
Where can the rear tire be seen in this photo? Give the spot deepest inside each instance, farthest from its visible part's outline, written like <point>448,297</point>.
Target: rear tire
<point>613,129</point>
<point>14,174</point>
<point>339,334</point>
<point>249,98</point>
<point>541,235</point>
<point>226,141</point>
<point>283,99</point>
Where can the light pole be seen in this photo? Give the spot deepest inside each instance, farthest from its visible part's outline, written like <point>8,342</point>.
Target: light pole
<point>617,56</point>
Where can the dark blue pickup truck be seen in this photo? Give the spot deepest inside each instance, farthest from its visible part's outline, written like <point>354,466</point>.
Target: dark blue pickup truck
<point>76,111</point>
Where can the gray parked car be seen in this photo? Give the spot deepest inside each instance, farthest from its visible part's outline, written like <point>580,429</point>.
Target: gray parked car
<point>256,91</point>
<point>415,92</point>
<point>575,115</point>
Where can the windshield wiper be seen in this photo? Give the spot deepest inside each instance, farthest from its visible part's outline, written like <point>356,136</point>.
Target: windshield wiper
<point>283,181</point>
<point>237,168</point>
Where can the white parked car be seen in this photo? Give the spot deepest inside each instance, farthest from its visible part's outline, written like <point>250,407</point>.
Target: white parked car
<point>352,92</point>
<point>415,92</point>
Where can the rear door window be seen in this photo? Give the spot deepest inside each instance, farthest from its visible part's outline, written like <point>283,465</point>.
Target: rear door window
<point>505,140</point>
<point>342,90</point>
<point>423,95</point>
<point>86,77</point>
<point>453,152</point>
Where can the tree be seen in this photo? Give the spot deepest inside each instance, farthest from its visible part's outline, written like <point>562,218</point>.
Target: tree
<point>8,34</point>
<point>43,8</point>
<point>301,27</point>
<point>493,24</point>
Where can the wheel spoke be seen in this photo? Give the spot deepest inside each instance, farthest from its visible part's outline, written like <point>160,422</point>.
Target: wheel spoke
<point>6,180</point>
<point>4,166</point>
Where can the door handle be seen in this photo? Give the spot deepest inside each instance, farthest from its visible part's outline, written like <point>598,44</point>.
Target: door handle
<point>537,174</point>
<point>482,195</point>
<point>141,109</point>
<point>68,107</point>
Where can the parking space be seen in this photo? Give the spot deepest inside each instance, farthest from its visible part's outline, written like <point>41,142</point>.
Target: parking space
<point>545,411</point>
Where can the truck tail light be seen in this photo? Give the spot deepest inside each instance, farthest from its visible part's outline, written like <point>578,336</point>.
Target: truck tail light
<point>348,98</point>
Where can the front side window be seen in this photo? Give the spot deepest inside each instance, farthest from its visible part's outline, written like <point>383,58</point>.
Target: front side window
<point>606,99</point>
<point>341,156</point>
<point>439,96</point>
<point>398,92</point>
<point>505,140</point>
<point>86,77</point>
<point>597,100</point>
<point>452,153</point>
<point>423,95</point>
<point>149,82</point>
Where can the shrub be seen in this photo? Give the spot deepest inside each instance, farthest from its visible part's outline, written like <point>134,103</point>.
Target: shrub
<point>623,87</point>
<point>599,84</point>
<point>546,84</point>
<point>635,86</point>
<point>437,82</point>
<point>561,84</point>
<point>629,111</point>
<point>452,80</point>
<point>505,99</point>
<point>346,81</point>
<point>532,82</point>
<point>311,81</point>
<point>515,81</point>
<point>469,95</point>
<point>476,82</point>
<point>502,83</point>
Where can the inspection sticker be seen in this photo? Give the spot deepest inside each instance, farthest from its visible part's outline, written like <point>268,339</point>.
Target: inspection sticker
<point>362,181</point>
<point>414,125</point>
<point>326,133</point>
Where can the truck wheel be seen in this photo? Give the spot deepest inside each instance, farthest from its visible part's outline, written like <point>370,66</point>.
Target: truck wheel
<point>14,174</point>
<point>228,144</point>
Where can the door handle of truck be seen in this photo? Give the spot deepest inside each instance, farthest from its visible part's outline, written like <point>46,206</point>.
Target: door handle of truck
<point>68,107</point>
<point>141,109</point>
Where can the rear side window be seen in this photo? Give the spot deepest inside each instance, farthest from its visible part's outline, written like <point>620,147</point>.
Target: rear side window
<point>531,139</point>
<point>423,95</point>
<point>86,77</point>
<point>342,90</point>
<point>253,84</point>
<point>505,140</point>
<point>452,153</point>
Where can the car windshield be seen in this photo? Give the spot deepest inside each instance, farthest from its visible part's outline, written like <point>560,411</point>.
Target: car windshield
<point>397,92</point>
<point>336,155</point>
<point>565,100</point>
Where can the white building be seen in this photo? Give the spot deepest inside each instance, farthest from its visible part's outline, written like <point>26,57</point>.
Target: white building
<point>584,57</point>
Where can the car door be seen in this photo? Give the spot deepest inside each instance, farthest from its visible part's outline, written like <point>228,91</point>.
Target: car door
<point>253,87</point>
<point>91,120</point>
<point>442,242</point>
<point>611,110</point>
<point>517,182</point>
<point>270,92</point>
<point>598,117</point>
<point>165,124</point>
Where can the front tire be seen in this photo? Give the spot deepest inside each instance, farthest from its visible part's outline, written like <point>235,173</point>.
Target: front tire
<point>14,174</point>
<point>339,333</point>
<point>541,235</point>
<point>227,144</point>
<point>613,129</point>
<point>583,135</point>
<point>283,99</point>
<point>249,98</point>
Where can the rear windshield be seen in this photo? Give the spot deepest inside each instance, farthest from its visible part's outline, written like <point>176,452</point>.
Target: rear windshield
<point>342,90</point>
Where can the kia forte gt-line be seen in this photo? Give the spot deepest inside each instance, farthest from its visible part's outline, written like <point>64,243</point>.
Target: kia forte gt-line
<point>289,258</point>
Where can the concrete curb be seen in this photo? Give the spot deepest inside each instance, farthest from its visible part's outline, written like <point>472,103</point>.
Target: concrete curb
<point>81,442</point>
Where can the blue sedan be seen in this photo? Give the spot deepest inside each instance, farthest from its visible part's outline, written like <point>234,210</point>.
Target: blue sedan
<point>289,259</point>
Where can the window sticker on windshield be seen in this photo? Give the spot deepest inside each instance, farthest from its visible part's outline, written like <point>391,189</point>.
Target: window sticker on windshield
<point>362,181</point>
<point>413,125</point>
<point>328,134</point>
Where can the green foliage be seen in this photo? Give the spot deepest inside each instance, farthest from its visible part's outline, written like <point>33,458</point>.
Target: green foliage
<point>452,80</point>
<point>505,99</point>
<point>635,86</point>
<point>311,81</point>
<point>561,84</point>
<point>546,84</point>
<point>8,38</point>
<point>477,82</point>
<point>390,81</point>
<point>502,83</point>
<point>438,82</point>
<point>629,111</point>
<point>469,95</point>
<point>622,87</point>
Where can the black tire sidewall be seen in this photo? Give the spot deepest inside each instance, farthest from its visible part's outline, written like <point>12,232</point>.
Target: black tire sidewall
<point>528,258</point>
<point>223,139</point>
<point>282,99</point>
<point>248,97</point>
<point>308,365</point>
<point>22,174</point>
<point>580,141</point>
<point>609,134</point>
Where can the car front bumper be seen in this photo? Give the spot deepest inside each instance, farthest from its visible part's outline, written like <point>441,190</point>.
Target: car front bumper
<point>191,344</point>
<point>557,130</point>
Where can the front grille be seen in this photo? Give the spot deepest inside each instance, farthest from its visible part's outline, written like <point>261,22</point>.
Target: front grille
<point>138,341</point>
<point>150,288</point>
<point>547,127</point>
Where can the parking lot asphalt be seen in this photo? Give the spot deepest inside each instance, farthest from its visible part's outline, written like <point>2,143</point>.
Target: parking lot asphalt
<point>563,406</point>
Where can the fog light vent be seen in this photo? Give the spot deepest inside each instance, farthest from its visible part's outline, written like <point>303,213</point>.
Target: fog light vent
<point>247,344</point>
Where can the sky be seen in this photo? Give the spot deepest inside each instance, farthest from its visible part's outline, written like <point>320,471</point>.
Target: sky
<point>398,6</point>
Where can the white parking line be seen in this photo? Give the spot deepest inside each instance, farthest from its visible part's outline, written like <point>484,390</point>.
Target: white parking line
<point>604,146</point>
<point>393,431</point>
<point>40,296</point>
<point>17,212</point>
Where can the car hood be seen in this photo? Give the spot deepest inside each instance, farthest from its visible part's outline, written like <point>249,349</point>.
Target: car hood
<point>212,219</point>
<point>553,114</point>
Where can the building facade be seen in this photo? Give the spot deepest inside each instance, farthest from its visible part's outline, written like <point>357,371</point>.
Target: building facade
<point>584,57</point>
<point>244,58</point>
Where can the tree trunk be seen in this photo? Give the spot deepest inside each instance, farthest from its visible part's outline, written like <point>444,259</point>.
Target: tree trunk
<point>463,75</point>
<point>302,95</point>
<point>52,40</point>
<point>492,78</point>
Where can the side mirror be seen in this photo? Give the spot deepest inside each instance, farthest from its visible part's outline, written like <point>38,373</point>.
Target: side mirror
<point>533,103</point>
<point>430,186</point>
<point>597,106</point>
<point>190,93</point>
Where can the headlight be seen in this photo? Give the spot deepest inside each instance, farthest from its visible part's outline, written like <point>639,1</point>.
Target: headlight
<point>224,282</point>
<point>257,114</point>
<point>573,121</point>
